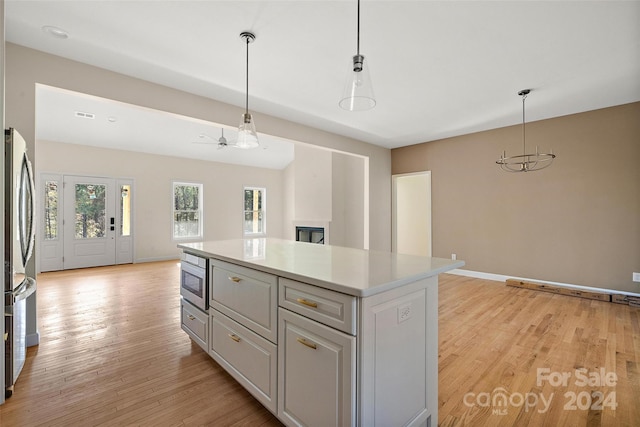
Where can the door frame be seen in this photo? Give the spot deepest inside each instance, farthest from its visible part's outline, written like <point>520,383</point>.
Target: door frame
<point>397,180</point>
<point>123,243</point>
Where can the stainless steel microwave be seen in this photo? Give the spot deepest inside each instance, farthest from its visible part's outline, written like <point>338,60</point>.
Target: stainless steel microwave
<point>193,281</point>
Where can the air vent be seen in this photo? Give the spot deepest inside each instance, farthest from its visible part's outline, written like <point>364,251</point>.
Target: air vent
<point>85,115</point>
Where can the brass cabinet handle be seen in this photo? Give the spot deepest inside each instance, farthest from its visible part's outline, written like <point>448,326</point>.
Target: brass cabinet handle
<point>191,317</point>
<point>234,279</point>
<point>308,344</point>
<point>308,303</point>
<point>234,337</point>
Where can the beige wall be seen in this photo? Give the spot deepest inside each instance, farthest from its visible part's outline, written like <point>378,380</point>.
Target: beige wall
<point>576,222</point>
<point>26,67</point>
<point>153,177</point>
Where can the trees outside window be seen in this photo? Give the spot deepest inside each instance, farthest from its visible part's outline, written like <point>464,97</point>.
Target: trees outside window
<point>187,210</point>
<point>254,211</point>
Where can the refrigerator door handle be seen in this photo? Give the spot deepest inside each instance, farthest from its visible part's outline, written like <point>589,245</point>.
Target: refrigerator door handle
<point>26,205</point>
<point>25,291</point>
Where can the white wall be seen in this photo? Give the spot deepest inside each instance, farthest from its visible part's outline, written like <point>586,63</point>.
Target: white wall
<point>153,176</point>
<point>288,194</point>
<point>312,184</point>
<point>348,201</point>
<point>325,188</point>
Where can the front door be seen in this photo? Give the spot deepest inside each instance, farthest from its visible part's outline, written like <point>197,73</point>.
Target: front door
<point>89,222</point>
<point>86,222</point>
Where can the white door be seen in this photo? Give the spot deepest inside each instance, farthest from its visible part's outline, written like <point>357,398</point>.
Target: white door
<point>411,214</point>
<point>89,222</point>
<point>85,222</point>
<point>49,228</point>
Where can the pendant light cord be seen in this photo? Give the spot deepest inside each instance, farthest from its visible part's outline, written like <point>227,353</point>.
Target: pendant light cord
<point>358,27</point>
<point>524,147</point>
<point>247,82</point>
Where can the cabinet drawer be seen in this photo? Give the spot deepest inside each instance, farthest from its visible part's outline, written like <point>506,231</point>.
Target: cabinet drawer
<point>328,307</point>
<point>248,357</point>
<point>247,296</point>
<point>195,323</point>
<point>317,372</point>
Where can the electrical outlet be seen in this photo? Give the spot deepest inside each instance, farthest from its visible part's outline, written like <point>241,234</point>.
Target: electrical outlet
<point>404,312</point>
<point>636,277</point>
<point>454,257</point>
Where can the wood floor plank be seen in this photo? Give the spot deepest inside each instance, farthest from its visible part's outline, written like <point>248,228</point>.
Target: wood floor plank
<point>112,354</point>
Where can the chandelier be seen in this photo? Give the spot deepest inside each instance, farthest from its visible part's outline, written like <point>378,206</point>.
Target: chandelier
<point>525,162</point>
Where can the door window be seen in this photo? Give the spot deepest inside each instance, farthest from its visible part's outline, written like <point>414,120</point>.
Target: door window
<point>51,199</point>
<point>90,211</point>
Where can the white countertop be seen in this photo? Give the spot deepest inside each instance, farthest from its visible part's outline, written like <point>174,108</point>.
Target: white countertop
<point>351,271</point>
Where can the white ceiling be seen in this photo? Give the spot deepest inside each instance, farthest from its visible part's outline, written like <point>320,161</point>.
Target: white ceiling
<point>439,68</point>
<point>122,126</point>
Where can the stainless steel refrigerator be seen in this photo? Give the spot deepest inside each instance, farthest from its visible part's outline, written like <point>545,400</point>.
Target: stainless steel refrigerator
<point>18,245</point>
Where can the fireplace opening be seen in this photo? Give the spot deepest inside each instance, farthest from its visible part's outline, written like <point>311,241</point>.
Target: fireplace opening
<point>310,234</point>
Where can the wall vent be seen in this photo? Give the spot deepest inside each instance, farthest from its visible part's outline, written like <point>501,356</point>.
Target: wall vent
<point>85,115</point>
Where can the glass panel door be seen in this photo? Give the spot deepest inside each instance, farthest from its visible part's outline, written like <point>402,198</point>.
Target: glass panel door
<point>90,214</point>
<point>89,221</point>
<point>84,221</point>
<point>50,222</point>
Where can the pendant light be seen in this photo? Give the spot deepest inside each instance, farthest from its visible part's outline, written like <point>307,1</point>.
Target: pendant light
<point>247,136</point>
<point>525,162</point>
<point>358,91</point>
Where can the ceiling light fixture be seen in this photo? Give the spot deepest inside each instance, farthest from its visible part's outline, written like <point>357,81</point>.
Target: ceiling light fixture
<point>56,32</point>
<point>247,136</point>
<point>525,162</point>
<point>358,91</point>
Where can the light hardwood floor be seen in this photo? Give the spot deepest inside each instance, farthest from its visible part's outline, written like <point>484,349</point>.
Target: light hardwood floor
<point>112,353</point>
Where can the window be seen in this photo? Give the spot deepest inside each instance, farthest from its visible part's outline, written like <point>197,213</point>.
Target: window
<point>254,210</point>
<point>125,210</point>
<point>51,210</point>
<point>187,210</point>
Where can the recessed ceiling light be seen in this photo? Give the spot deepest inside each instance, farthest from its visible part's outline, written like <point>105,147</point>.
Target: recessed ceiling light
<point>56,32</point>
<point>112,119</point>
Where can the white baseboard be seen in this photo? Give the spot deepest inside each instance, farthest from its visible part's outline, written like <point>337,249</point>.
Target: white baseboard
<point>155,259</point>
<point>502,278</point>
<point>33,339</point>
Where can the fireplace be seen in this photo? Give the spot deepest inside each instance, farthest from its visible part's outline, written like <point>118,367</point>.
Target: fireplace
<point>310,234</point>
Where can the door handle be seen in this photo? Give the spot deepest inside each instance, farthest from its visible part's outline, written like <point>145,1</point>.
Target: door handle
<point>112,221</point>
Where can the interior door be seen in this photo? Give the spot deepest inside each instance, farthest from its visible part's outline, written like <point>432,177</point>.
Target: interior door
<point>89,222</point>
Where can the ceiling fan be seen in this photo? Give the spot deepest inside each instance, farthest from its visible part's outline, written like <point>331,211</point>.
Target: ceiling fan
<point>221,142</point>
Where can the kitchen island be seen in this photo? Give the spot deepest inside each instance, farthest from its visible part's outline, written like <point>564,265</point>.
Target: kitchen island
<point>323,335</point>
